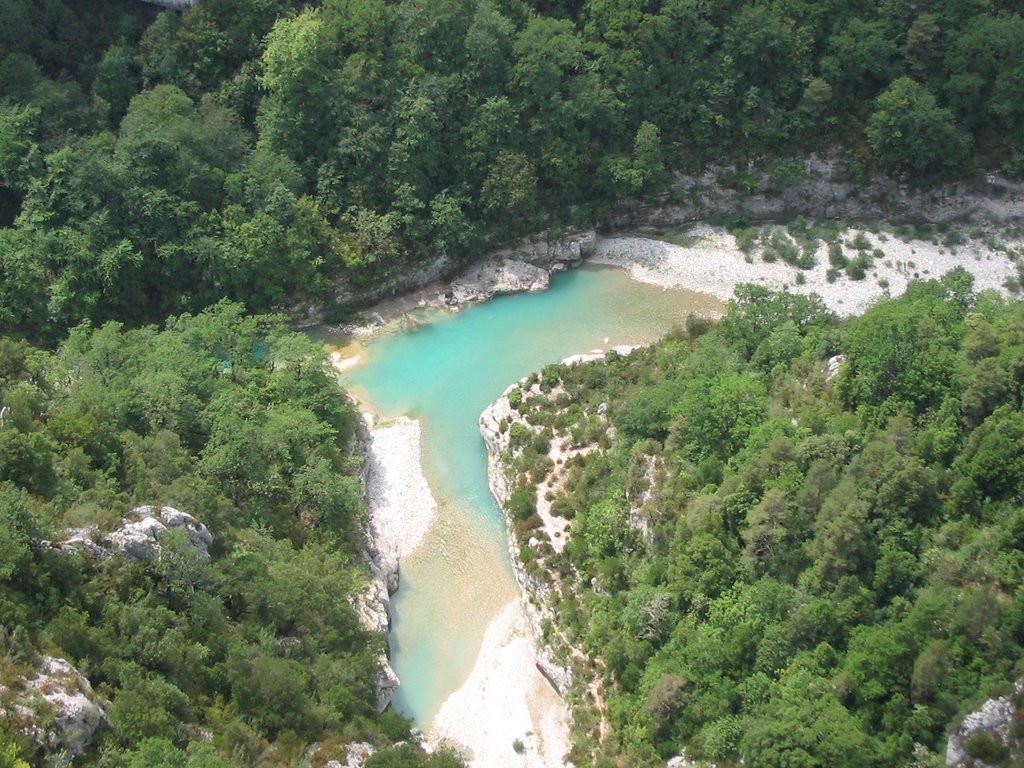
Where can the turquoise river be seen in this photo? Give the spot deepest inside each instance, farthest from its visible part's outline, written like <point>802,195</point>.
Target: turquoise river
<point>444,371</point>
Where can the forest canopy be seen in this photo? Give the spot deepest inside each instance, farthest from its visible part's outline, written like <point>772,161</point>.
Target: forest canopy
<point>269,151</point>
<point>252,652</point>
<point>834,569</point>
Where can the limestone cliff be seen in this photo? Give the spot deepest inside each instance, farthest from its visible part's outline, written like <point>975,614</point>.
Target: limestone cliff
<point>401,511</point>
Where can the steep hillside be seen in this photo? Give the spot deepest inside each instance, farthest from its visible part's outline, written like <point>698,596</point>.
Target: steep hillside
<point>781,539</point>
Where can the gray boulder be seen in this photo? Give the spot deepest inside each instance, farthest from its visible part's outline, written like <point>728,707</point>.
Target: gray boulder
<point>80,540</point>
<point>834,364</point>
<point>356,755</point>
<point>489,279</point>
<point>387,684</point>
<point>139,539</point>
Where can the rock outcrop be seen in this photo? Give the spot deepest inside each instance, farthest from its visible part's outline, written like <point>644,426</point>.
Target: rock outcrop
<point>555,255</point>
<point>140,536</point>
<point>995,718</point>
<point>834,364</point>
<point>56,708</point>
<point>493,278</point>
<point>681,761</point>
<point>356,756</point>
<point>373,606</point>
<point>821,191</point>
<point>177,5</point>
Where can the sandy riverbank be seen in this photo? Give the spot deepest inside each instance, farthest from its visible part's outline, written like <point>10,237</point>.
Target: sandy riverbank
<point>714,264</point>
<point>506,705</point>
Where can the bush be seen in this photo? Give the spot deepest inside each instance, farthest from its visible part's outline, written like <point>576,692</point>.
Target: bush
<point>986,747</point>
<point>836,257</point>
<point>520,505</point>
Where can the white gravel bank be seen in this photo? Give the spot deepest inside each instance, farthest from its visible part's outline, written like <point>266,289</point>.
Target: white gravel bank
<point>402,508</point>
<point>715,265</point>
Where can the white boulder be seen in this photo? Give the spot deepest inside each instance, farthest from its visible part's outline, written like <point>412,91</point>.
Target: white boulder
<point>139,539</point>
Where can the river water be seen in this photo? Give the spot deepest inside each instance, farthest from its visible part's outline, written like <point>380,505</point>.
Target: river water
<point>444,372</point>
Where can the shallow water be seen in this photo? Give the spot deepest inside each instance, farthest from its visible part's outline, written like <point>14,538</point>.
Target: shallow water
<point>445,371</point>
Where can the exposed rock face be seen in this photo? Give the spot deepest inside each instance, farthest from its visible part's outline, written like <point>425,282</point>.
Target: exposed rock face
<point>489,279</point>
<point>178,5</point>
<point>373,606</point>
<point>387,684</point>
<point>58,709</point>
<point>536,592</point>
<point>995,717</point>
<point>139,535</point>
<point>556,255</point>
<point>822,193</point>
<point>834,364</point>
<point>309,313</point>
<point>681,761</point>
<point>82,540</point>
<point>496,439</point>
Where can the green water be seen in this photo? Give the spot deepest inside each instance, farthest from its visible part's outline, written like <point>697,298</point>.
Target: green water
<point>445,372</point>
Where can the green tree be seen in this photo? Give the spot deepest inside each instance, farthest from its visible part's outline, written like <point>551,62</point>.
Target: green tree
<point>807,729</point>
<point>910,132</point>
<point>511,186</point>
<point>716,415</point>
<point>20,157</point>
<point>9,755</point>
<point>900,350</point>
<point>157,753</point>
<point>117,79</point>
<point>295,117</point>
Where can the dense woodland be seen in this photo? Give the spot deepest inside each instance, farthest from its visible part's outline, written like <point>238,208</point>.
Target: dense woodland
<point>238,421</point>
<point>775,566</point>
<point>259,150</point>
<point>814,543</point>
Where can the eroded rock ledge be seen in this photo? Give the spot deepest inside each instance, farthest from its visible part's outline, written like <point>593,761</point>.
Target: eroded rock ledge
<point>494,278</point>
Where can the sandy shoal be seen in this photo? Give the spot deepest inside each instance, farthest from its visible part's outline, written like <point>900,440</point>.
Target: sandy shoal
<point>504,700</point>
